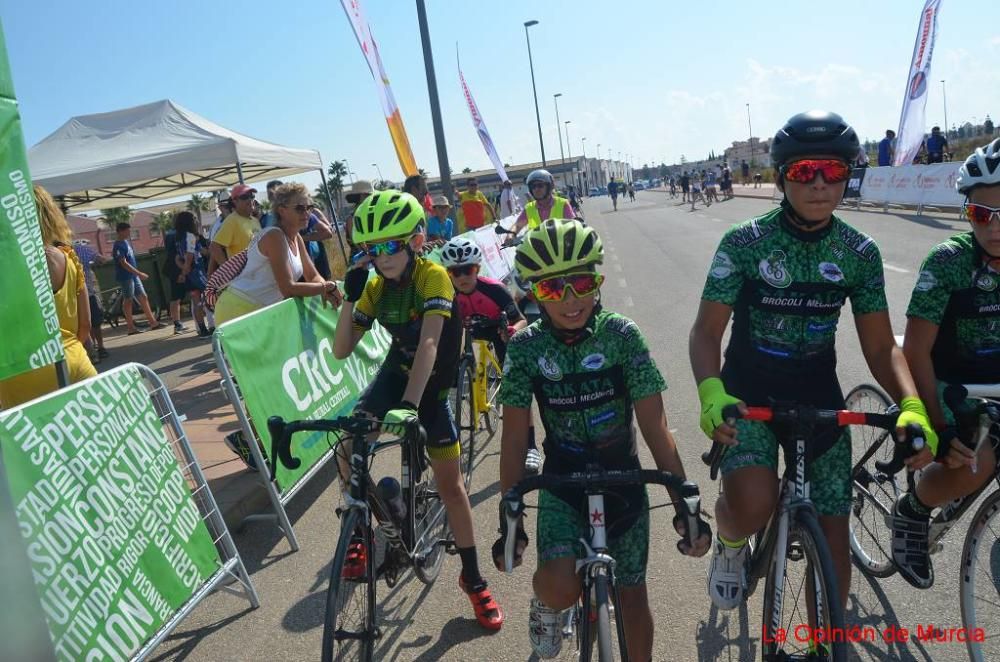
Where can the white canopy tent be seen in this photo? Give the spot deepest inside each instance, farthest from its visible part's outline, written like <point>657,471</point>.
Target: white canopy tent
<point>150,152</point>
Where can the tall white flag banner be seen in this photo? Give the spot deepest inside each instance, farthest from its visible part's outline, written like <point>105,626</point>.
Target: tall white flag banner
<point>480,125</point>
<point>911,121</point>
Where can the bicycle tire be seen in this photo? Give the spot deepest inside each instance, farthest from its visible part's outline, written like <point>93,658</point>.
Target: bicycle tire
<point>341,593</point>
<point>605,644</point>
<point>491,417</point>
<point>464,413</point>
<point>873,495</point>
<point>983,528</point>
<point>431,520</point>
<point>806,532</point>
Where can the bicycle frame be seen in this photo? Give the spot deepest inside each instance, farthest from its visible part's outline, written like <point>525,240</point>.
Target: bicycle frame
<point>483,356</point>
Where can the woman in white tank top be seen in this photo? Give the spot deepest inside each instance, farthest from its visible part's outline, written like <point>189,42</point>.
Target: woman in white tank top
<point>276,261</point>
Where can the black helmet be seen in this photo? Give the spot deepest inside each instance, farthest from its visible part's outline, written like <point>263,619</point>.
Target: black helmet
<point>540,175</point>
<point>814,132</point>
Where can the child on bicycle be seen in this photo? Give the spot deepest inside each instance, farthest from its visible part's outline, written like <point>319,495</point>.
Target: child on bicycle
<point>413,299</point>
<point>951,339</point>
<point>589,369</point>
<point>787,274</point>
<point>486,299</point>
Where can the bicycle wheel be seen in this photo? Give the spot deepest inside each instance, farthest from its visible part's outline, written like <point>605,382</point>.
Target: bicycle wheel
<point>349,624</point>
<point>873,493</point>
<point>491,416</point>
<point>430,527</point>
<point>465,416</point>
<point>810,578</point>
<point>979,576</point>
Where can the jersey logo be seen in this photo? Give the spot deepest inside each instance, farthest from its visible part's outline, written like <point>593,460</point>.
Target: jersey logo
<point>749,233</point>
<point>857,242</point>
<point>986,282</point>
<point>550,369</point>
<point>773,270</point>
<point>722,266</point>
<point>593,362</point>
<point>831,272</point>
<point>926,282</point>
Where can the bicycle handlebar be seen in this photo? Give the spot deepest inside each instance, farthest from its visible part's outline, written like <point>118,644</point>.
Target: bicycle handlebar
<point>808,415</point>
<point>513,499</point>
<point>281,434</point>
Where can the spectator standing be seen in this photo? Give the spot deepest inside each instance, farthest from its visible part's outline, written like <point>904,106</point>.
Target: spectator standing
<point>440,228</point>
<point>685,186</point>
<point>416,186</point>
<point>887,148</point>
<point>69,289</point>
<point>936,146</point>
<point>88,258</point>
<point>239,227</point>
<point>172,272</point>
<point>130,280</point>
<point>510,204</point>
<point>318,230</point>
<point>360,190</point>
<point>861,160</point>
<point>475,206</point>
<point>268,219</point>
<point>191,247</point>
<point>745,172</point>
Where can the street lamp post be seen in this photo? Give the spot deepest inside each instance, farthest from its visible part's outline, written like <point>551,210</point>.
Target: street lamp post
<point>432,92</point>
<point>583,146</point>
<point>750,126</point>
<point>562,155</point>
<point>531,65</point>
<point>944,97</point>
<point>568,148</point>
<point>350,174</point>
<point>598,151</point>
<point>379,171</point>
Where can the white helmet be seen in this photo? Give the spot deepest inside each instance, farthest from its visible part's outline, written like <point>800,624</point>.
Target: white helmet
<point>981,168</point>
<point>459,251</point>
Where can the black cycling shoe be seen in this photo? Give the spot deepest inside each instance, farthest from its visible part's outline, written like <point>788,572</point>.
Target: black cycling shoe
<point>909,546</point>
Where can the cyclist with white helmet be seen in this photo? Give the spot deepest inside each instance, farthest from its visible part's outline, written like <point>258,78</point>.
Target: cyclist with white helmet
<point>544,203</point>
<point>951,338</point>
<point>487,299</point>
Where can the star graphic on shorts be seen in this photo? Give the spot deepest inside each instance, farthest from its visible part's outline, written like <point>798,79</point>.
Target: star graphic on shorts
<point>597,518</point>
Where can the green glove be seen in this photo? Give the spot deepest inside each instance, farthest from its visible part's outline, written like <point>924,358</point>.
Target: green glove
<point>913,412</point>
<point>713,396</point>
<point>397,420</point>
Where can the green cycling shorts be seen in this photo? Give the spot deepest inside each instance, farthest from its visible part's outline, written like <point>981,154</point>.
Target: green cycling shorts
<point>829,474</point>
<point>560,527</point>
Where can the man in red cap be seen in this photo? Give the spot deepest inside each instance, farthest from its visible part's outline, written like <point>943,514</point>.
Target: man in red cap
<point>239,227</point>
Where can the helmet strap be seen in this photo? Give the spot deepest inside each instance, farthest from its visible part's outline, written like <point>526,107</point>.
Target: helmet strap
<point>796,221</point>
<point>572,336</point>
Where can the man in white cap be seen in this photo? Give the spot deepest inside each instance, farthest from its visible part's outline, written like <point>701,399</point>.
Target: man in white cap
<point>360,190</point>
<point>238,228</point>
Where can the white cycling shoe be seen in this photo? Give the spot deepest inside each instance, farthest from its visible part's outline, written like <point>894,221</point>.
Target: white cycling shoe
<point>545,630</point>
<point>727,575</point>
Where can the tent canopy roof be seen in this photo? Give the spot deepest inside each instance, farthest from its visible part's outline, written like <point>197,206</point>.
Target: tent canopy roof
<point>150,152</point>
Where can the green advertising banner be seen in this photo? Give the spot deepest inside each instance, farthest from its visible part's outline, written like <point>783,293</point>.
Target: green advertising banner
<point>114,538</point>
<point>27,306</point>
<point>282,359</point>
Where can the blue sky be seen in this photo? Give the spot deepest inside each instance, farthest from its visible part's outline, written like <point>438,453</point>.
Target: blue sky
<point>651,78</point>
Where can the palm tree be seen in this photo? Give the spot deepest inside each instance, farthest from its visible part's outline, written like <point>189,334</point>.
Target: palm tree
<point>323,195</point>
<point>164,222</point>
<point>335,180</point>
<point>199,203</point>
<point>466,170</point>
<point>113,216</point>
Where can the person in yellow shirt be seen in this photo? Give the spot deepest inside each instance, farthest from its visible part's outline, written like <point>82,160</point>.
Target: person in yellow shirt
<point>475,206</point>
<point>72,308</point>
<point>239,227</point>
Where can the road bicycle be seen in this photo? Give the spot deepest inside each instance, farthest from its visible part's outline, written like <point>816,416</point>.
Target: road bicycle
<point>417,538</point>
<point>473,400</point>
<point>876,489</point>
<point>791,553</point>
<point>599,600</point>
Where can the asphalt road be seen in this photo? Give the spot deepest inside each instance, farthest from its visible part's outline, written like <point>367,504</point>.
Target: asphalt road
<point>658,253</point>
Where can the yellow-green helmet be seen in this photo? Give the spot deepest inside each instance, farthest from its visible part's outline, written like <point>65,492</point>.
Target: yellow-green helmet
<point>386,215</point>
<point>557,246</point>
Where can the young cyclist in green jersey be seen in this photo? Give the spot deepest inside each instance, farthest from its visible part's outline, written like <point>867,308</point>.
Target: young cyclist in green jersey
<point>414,300</point>
<point>783,277</point>
<point>589,369</point>
<point>952,338</point>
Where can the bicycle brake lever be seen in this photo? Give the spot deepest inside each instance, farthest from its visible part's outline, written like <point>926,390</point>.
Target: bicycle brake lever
<point>692,511</point>
<point>513,509</point>
<point>912,443</point>
<point>281,444</point>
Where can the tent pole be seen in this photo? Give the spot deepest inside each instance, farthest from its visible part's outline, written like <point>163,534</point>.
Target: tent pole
<point>239,172</point>
<point>333,216</point>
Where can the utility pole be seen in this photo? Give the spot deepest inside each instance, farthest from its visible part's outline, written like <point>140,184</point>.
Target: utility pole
<point>432,92</point>
<point>531,65</point>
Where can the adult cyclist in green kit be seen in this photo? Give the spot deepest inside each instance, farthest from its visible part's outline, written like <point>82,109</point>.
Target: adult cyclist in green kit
<point>783,278</point>
<point>588,369</point>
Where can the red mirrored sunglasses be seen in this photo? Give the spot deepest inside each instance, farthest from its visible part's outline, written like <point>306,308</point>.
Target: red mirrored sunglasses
<point>980,214</point>
<point>834,171</point>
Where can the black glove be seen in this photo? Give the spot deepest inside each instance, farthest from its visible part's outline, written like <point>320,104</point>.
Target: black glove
<point>946,438</point>
<point>679,526</point>
<point>354,283</point>
<point>519,546</point>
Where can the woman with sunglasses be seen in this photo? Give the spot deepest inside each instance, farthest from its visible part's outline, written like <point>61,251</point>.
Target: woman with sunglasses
<point>783,277</point>
<point>589,369</point>
<point>413,299</point>
<point>951,339</point>
<point>278,264</point>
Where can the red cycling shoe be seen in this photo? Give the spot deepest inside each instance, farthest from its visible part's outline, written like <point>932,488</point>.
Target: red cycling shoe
<point>356,561</point>
<point>488,612</point>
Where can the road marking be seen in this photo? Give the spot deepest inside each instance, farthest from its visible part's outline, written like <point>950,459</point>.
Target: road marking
<point>617,267</point>
<point>898,270</point>
<point>628,302</point>
<point>622,283</point>
<point>718,220</point>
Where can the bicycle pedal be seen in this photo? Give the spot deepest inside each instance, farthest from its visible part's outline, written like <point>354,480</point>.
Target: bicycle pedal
<point>936,548</point>
<point>450,547</point>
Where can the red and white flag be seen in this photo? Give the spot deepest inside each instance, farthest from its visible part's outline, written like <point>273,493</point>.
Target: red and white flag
<point>911,121</point>
<point>480,126</point>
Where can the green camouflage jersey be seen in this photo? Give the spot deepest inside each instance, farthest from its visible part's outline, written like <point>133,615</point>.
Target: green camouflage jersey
<point>584,391</point>
<point>786,288</point>
<point>956,291</point>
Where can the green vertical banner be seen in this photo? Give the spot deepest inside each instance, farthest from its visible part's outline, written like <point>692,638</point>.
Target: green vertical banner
<point>27,307</point>
<point>282,359</point>
<point>115,540</point>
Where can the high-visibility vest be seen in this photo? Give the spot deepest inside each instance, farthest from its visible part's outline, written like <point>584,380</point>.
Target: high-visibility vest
<point>535,219</point>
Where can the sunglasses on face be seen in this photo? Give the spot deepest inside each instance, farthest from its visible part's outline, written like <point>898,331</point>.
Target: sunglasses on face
<point>303,208</point>
<point>245,196</point>
<point>538,185</point>
<point>554,289</point>
<point>391,247</point>
<point>980,214</point>
<point>834,171</point>
<point>463,270</point>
